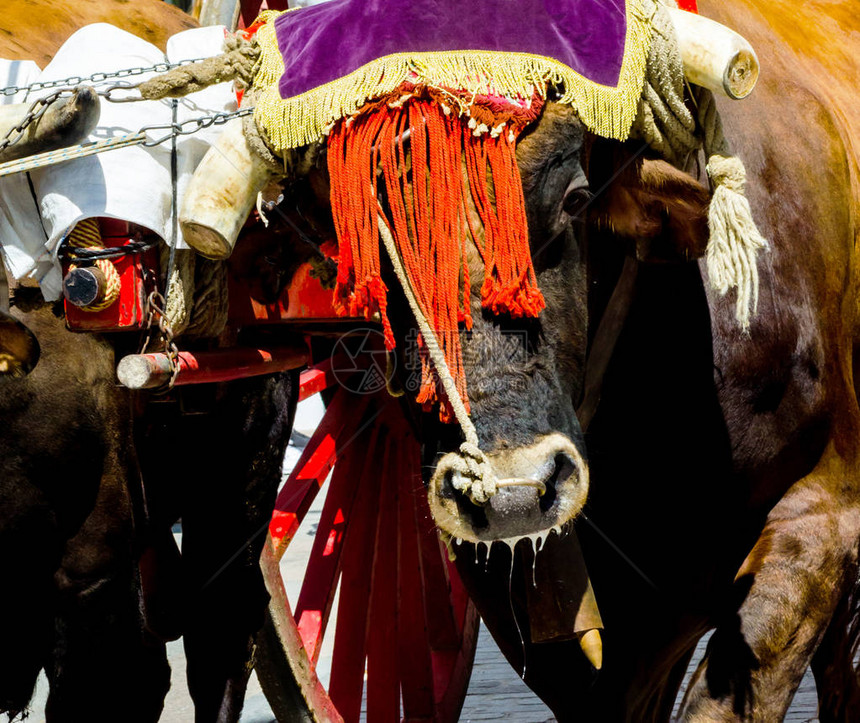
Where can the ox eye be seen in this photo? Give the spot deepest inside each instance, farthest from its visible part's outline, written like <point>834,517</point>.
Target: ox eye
<point>577,201</point>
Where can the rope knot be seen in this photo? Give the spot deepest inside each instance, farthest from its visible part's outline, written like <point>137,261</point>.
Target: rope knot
<point>735,241</point>
<point>87,235</point>
<point>727,171</point>
<point>669,126</point>
<point>475,476</point>
<point>237,63</point>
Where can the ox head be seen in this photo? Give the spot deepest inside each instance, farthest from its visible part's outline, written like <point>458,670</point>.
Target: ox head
<point>65,122</point>
<point>526,377</point>
<point>523,375</point>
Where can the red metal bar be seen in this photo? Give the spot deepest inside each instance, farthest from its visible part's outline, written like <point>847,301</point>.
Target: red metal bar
<point>312,381</point>
<point>351,634</point>
<point>383,679</point>
<point>145,371</point>
<point>319,377</point>
<point>324,565</point>
<point>303,299</point>
<point>416,664</point>
<point>334,432</point>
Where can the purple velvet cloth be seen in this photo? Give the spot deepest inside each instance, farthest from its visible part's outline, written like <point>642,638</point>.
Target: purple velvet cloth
<point>325,42</point>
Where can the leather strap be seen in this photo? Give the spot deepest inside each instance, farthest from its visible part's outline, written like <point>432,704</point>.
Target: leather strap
<point>605,339</point>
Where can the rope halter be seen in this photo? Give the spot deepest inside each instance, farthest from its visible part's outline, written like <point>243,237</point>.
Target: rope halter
<point>476,477</point>
<point>677,133</point>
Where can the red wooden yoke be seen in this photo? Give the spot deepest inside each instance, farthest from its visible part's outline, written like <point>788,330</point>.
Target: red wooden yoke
<point>135,256</point>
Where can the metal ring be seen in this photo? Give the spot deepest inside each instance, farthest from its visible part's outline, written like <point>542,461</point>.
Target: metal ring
<point>523,482</point>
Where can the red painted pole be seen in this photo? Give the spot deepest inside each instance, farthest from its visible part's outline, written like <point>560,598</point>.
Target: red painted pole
<point>320,376</point>
<point>147,371</point>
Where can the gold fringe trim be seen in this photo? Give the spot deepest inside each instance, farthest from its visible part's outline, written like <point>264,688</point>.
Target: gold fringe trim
<point>303,119</point>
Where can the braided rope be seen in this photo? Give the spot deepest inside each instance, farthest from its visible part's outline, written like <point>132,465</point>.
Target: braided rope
<point>197,303</point>
<point>86,235</point>
<point>236,62</point>
<point>180,286</point>
<point>50,158</point>
<point>284,164</point>
<point>477,478</point>
<point>211,304</point>
<point>735,240</point>
<point>666,124</point>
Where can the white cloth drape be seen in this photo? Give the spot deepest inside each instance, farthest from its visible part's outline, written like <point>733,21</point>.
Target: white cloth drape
<point>132,184</point>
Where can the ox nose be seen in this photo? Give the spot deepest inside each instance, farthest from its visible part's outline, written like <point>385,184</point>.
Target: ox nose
<point>539,486</point>
<point>545,479</point>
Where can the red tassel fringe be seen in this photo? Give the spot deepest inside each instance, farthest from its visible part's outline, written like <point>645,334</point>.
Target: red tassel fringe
<point>427,205</point>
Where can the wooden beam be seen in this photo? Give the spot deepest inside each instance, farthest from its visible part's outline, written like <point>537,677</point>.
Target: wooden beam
<point>148,371</point>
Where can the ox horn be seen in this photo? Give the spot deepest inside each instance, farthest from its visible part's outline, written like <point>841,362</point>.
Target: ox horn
<point>65,123</point>
<point>714,56</point>
<point>222,193</point>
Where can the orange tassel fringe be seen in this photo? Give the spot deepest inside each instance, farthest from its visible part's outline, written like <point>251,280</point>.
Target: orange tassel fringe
<point>427,204</point>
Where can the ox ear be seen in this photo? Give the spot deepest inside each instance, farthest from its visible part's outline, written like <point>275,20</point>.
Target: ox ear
<point>662,211</point>
<point>19,350</point>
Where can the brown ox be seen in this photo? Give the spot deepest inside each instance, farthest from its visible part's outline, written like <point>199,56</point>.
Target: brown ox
<point>725,485</point>
<point>70,471</point>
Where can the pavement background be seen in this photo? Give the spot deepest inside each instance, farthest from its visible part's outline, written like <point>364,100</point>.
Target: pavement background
<point>495,690</point>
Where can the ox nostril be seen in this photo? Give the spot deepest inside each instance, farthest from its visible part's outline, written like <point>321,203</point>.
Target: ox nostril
<point>446,489</point>
<point>474,513</point>
<point>563,469</point>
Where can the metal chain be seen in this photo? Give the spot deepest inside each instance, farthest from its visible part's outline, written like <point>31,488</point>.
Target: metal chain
<point>96,78</point>
<point>132,139</point>
<point>192,125</point>
<point>34,112</point>
<point>156,315</point>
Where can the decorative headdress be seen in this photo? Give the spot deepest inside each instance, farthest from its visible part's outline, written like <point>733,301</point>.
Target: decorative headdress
<point>461,81</point>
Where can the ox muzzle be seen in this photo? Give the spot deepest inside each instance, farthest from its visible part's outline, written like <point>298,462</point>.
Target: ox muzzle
<point>538,488</point>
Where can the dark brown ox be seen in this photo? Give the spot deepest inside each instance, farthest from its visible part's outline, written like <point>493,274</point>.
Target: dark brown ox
<point>724,466</point>
<point>73,520</point>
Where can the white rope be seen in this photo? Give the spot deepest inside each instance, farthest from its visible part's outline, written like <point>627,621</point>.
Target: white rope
<point>50,158</point>
<point>476,477</point>
<point>734,240</point>
<point>668,126</point>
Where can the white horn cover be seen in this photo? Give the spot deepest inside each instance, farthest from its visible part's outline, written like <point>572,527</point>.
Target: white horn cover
<point>222,193</point>
<point>715,57</point>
